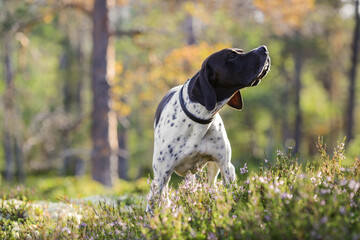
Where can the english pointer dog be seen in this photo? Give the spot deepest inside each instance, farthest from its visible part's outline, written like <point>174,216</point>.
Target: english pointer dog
<point>189,132</point>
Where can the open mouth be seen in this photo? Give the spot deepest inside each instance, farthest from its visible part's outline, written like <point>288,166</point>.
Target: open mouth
<point>263,72</point>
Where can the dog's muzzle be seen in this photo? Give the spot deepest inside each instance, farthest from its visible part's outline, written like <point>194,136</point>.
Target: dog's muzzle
<point>263,72</point>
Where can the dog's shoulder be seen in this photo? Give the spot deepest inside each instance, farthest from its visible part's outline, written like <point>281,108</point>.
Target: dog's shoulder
<point>163,103</point>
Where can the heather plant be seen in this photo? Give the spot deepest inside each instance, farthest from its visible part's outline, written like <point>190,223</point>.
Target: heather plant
<point>282,200</point>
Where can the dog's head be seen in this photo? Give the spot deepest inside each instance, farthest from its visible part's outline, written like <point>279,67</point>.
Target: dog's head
<point>224,73</point>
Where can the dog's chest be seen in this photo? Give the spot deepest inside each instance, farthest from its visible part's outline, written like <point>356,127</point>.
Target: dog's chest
<point>185,144</point>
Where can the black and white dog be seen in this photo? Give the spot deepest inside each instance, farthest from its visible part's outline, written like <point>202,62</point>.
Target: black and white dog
<point>189,132</point>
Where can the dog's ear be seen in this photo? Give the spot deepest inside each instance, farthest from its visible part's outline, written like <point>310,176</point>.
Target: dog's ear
<point>201,89</point>
<point>236,101</point>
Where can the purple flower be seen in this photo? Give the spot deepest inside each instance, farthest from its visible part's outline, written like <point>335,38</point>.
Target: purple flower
<point>244,169</point>
<point>83,225</point>
<point>211,236</point>
<point>66,229</point>
<point>342,210</point>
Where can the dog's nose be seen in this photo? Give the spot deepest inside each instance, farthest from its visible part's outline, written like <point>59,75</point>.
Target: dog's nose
<point>263,49</point>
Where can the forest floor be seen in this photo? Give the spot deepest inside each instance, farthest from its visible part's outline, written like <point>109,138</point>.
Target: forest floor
<point>282,200</point>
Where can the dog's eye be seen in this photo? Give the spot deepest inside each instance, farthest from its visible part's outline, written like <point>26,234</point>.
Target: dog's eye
<point>232,55</point>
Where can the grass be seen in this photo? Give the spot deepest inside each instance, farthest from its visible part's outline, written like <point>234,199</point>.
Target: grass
<point>282,200</point>
<point>54,188</point>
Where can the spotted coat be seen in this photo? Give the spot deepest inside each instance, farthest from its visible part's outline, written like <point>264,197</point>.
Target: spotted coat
<point>183,145</point>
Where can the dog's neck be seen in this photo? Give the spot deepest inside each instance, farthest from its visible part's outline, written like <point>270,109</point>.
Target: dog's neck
<point>196,108</point>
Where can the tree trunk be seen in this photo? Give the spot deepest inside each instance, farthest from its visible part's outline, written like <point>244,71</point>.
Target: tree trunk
<point>123,153</point>
<point>9,156</point>
<point>80,60</point>
<point>72,72</point>
<point>14,161</point>
<point>8,109</point>
<point>19,160</point>
<point>101,153</point>
<point>64,67</point>
<point>298,61</point>
<point>189,29</point>
<point>114,138</point>
<point>349,122</point>
<point>284,97</point>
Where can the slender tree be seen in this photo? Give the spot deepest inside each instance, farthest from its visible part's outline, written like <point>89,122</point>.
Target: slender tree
<point>14,161</point>
<point>100,158</point>
<point>352,77</point>
<point>8,110</point>
<point>104,123</point>
<point>72,72</point>
<point>123,157</point>
<point>298,62</point>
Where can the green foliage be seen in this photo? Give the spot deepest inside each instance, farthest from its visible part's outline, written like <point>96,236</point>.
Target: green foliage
<point>353,151</point>
<point>283,200</point>
<point>149,64</point>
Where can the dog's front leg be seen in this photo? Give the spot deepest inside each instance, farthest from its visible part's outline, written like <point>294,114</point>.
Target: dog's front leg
<point>212,173</point>
<point>228,173</point>
<point>158,185</point>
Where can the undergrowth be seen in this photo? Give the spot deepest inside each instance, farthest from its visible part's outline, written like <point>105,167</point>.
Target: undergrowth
<point>283,200</point>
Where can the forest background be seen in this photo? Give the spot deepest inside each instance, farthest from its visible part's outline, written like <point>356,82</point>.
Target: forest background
<point>80,80</point>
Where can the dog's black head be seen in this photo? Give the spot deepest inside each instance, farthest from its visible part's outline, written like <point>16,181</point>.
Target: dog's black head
<point>224,73</point>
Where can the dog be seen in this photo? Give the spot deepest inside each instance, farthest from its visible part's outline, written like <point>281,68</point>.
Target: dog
<point>188,130</point>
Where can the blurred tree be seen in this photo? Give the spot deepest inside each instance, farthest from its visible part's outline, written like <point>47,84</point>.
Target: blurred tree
<point>103,73</point>
<point>100,157</point>
<point>289,18</point>
<point>12,149</point>
<point>302,97</point>
<point>12,131</point>
<point>287,15</point>
<point>123,155</point>
<point>21,20</point>
<point>104,122</point>
<point>331,33</point>
<point>298,65</point>
<point>73,75</point>
<point>190,24</point>
<point>349,115</point>
<point>122,109</point>
<point>119,109</point>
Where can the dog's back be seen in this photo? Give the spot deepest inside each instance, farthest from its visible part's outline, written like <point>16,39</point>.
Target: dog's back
<point>163,103</point>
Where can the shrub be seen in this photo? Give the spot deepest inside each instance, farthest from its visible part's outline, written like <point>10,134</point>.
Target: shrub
<point>283,200</point>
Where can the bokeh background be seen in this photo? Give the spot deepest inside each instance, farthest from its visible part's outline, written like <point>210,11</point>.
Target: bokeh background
<point>81,79</point>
